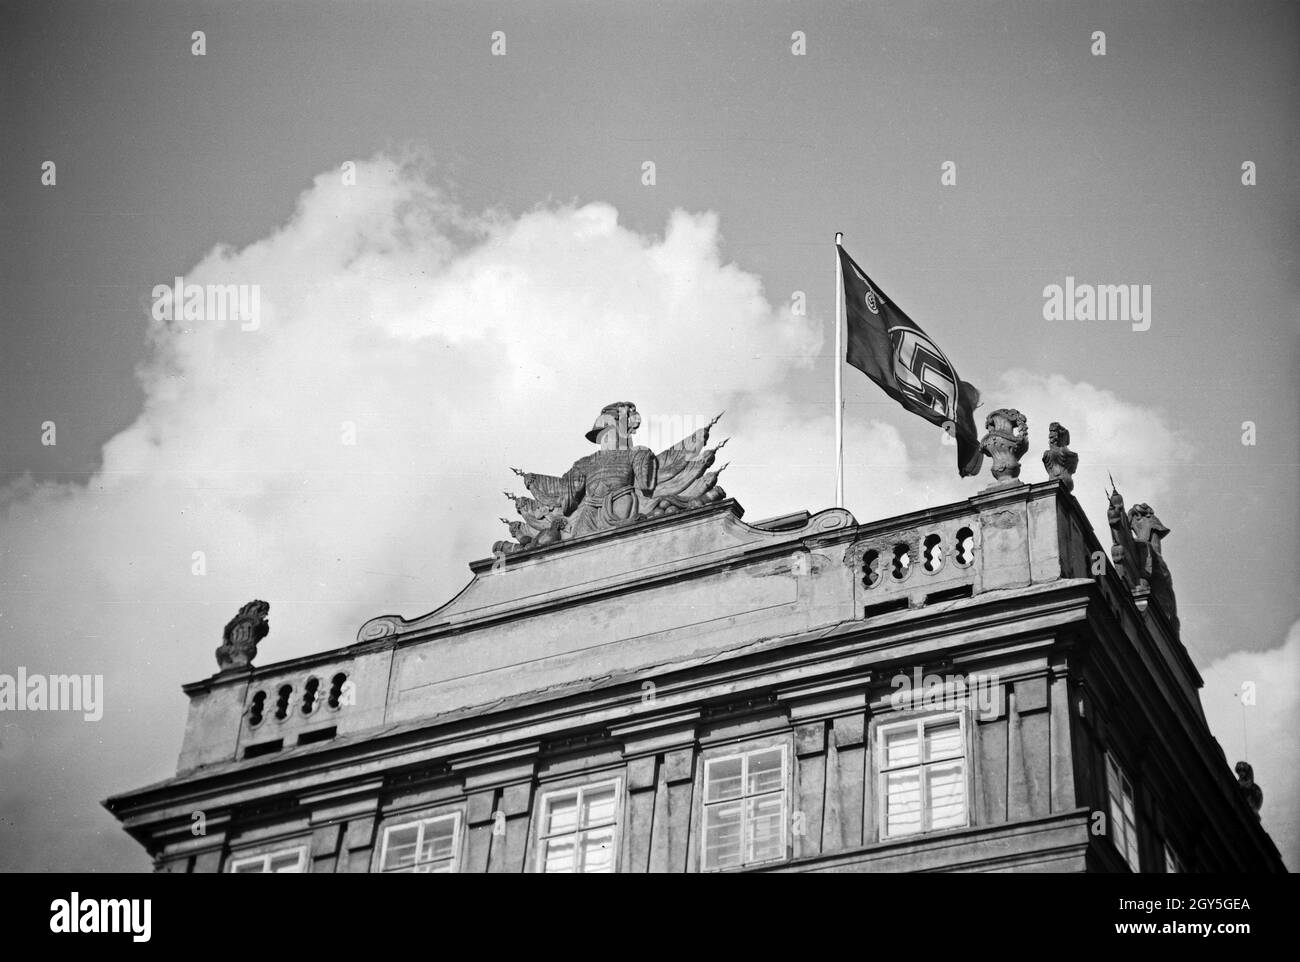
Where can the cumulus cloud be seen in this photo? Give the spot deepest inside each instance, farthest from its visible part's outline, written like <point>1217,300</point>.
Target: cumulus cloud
<point>1135,443</point>
<point>1262,733</point>
<point>347,458</point>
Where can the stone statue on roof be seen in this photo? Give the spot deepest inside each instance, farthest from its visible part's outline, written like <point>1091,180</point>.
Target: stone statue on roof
<point>618,484</point>
<point>1253,794</point>
<point>1058,459</point>
<point>1136,552</point>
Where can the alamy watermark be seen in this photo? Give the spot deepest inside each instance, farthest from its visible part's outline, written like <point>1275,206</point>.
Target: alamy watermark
<point>35,692</point>
<point>949,692</point>
<point>658,432</point>
<point>208,302</point>
<point>75,915</point>
<point>1098,302</point>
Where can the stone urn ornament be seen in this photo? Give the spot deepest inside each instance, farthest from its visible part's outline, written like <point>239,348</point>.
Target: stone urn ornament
<point>1006,442</point>
<point>240,639</point>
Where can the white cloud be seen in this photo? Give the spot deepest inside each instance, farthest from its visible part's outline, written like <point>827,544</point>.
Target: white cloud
<point>1136,444</point>
<point>1262,734</point>
<point>457,344</point>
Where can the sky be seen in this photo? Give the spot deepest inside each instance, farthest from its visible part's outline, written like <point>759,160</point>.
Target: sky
<point>495,267</point>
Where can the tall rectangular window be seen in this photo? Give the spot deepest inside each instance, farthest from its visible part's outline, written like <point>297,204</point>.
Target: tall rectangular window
<point>579,829</point>
<point>286,860</point>
<point>745,808</point>
<point>1123,813</point>
<point>922,783</point>
<point>429,845</point>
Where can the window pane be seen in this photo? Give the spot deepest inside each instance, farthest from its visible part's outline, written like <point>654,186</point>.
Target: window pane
<point>251,867</point>
<point>903,802</point>
<point>598,806</point>
<point>723,779</point>
<point>597,850</point>
<point>764,771</point>
<point>561,814</point>
<point>439,839</point>
<point>1124,835</point>
<point>945,790</point>
<point>901,747</point>
<point>285,862</point>
<point>443,867</point>
<point>558,855</point>
<point>722,835</point>
<point>400,852</point>
<point>1114,780</point>
<point>766,827</point>
<point>943,740</point>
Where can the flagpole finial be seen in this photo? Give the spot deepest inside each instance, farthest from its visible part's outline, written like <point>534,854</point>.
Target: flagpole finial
<point>838,238</point>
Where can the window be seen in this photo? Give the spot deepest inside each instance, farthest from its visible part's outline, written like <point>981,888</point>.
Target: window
<point>284,860</point>
<point>428,845</point>
<point>1123,813</point>
<point>744,808</point>
<point>579,829</point>
<point>1173,865</point>
<point>922,784</point>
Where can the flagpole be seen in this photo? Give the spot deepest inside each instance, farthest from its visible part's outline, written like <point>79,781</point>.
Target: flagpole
<point>839,375</point>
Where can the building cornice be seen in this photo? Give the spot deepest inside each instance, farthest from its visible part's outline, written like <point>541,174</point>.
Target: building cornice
<point>842,655</point>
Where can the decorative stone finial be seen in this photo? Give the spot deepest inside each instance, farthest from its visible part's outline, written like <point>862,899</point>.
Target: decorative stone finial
<point>1246,781</point>
<point>242,634</point>
<point>619,484</point>
<point>1006,443</point>
<point>1058,459</point>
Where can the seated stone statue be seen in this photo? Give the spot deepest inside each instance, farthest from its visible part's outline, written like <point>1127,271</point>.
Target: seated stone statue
<point>618,484</point>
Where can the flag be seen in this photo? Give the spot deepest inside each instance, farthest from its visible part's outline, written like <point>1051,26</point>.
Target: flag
<point>887,346</point>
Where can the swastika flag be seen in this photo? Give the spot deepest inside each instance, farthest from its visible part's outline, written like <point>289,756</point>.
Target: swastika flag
<point>887,346</point>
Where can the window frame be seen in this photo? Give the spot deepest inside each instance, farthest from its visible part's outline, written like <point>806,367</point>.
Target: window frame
<point>742,750</point>
<point>917,720</point>
<point>1173,864</point>
<point>577,789</point>
<point>407,819</point>
<point>1120,827</point>
<point>265,855</point>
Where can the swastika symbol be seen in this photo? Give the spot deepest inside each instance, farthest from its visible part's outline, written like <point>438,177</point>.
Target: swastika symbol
<point>923,372</point>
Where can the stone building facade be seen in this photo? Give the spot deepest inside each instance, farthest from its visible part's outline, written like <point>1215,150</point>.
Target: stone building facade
<point>973,687</point>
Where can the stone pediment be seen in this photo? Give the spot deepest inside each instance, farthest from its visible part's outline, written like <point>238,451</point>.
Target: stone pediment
<point>607,562</point>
